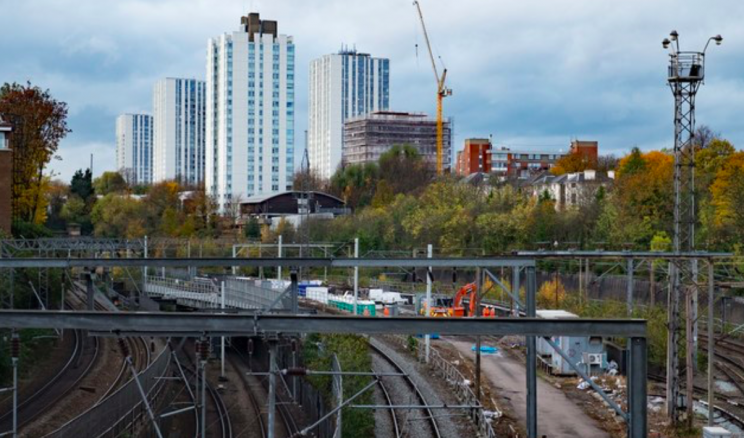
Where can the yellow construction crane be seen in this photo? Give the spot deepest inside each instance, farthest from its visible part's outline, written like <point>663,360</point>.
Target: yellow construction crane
<point>442,91</point>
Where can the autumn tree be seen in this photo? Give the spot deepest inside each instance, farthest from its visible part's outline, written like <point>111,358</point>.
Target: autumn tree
<point>56,195</point>
<point>727,199</point>
<point>643,197</point>
<point>201,209</point>
<point>403,169</point>
<point>39,124</point>
<point>308,180</point>
<point>551,294</point>
<point>355,184</point>
<point>573,162</point>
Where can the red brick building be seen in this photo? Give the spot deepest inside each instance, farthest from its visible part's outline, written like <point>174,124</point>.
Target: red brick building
<point>589,149</point>
<point>474,157</point>
<point>6,177</point>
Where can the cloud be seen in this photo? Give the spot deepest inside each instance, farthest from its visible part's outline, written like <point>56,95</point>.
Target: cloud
<point>532,72</point>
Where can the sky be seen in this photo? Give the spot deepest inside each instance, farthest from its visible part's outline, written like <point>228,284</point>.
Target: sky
<point>531,74</point>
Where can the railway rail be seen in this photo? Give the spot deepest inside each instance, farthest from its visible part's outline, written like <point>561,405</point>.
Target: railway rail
<point>414,390</point>
<point>251,385</point>
<point>219,412</point>
<point>258,392</point>
<point>138,347</point>
<point>389,401</point>
<point>65,381</point>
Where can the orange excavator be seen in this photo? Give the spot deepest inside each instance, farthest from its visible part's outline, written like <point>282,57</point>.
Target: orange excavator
<point>457,309</point>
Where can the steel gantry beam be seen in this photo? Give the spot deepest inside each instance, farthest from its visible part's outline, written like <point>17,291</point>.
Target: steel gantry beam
<point>654,255</point>
<point>242,324</point>
<point>196,324</point>
<point>266,262</point>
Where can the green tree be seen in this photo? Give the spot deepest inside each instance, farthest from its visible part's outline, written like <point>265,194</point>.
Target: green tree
<point>109,182</point>
<point>252,229</point>
<point>118,216</point>
<point>352,352</point>
<point>82,184</point>
<point>39,124</point>
<point>355,184</point>
<point>633,163</point>
<point>74,210</point>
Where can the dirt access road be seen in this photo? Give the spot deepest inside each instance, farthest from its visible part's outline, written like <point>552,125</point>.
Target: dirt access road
<point>557,416</point>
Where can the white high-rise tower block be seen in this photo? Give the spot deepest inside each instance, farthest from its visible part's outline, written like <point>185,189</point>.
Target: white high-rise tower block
<point>134,147</point>
<point>344,85</point>
<point>179,107</point>
<point>250,112</point>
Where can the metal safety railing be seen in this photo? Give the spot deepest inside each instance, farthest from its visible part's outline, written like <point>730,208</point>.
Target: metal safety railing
<point>256,294</point>
<point>239,293</point>
<point>337,387</point>
<point>122,410</point>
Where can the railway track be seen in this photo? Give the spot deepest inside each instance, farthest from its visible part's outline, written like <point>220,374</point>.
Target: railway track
<point>141,358</point>
<point>396,394</point>
<point>729,363</point>
<point>138,347</point>
<point>86,352</point>
<point>389,401</point>
<point>251,385</point>
<point>84,355</point>
<point>729,360</point>
<point>257,389</point>
<point>217,412</point>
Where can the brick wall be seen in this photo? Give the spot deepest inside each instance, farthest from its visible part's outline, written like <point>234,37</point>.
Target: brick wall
<point>6,179</point>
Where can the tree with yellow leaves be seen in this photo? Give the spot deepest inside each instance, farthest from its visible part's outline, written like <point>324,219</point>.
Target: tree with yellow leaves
<point>551,294</point>
<point>727,199</point>
<point>643,198</point>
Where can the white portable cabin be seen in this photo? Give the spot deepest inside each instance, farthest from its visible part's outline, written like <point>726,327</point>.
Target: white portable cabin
<point>586,351</point>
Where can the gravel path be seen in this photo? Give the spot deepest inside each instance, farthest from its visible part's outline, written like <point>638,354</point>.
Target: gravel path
<point>557,415</point>
<point>449,424</point>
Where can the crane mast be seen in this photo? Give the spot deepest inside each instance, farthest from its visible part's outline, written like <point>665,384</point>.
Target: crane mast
<point>442,92</point>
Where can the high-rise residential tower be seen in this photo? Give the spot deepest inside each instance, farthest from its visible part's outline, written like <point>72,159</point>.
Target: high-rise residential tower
<point>134,147</point>
<point>344,85</point>
<point>250,112</point>
<point>179,107</point>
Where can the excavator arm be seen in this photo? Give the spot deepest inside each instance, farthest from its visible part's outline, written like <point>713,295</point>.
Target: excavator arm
<point>469,290</point>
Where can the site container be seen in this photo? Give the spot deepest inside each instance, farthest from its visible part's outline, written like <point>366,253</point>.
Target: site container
<point>585,351</point>
<point>346,303</point>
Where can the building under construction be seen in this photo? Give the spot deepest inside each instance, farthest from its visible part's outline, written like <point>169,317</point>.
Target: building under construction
<point>368,137</point>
